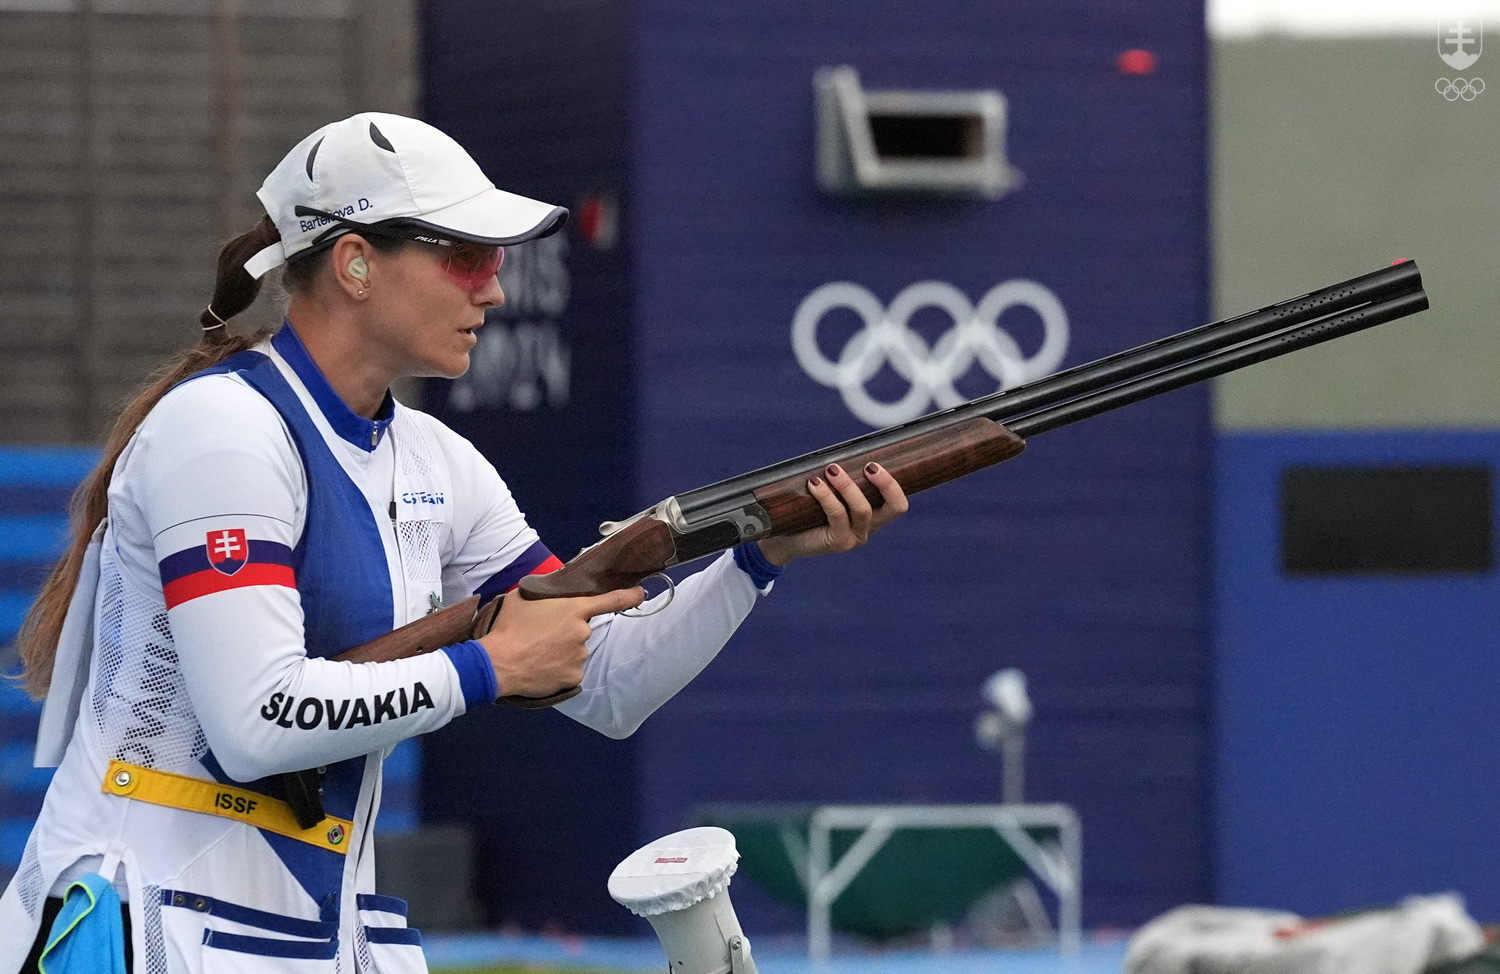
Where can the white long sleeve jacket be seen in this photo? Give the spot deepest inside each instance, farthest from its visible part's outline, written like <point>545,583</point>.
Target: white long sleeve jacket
<point>257,527</point>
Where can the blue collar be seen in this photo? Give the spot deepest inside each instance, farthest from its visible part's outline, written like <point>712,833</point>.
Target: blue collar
<point>349,425</point>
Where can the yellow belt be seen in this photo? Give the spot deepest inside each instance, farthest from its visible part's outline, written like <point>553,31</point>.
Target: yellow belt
<point>225,801</point>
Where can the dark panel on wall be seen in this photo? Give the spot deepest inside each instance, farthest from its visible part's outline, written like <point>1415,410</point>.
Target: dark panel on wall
<point>537,92</point>
<point>1393,520</point>
<point>1083,562</point>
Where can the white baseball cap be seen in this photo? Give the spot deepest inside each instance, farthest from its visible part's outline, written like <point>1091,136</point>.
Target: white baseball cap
<point>373,168</point>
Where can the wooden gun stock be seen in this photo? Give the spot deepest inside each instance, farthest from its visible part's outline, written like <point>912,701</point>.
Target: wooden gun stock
<point>917,464</point>
<point>442,628</point>
<point>303,790</point>
<point>628,557</point>
<point>455,624</point>
<point>649,545</point>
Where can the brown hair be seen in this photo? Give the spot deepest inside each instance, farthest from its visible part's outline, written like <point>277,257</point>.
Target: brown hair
<point>234,291</point>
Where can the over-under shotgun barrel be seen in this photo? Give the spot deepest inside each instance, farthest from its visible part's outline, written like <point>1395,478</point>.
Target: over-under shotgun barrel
<point>1402,278</point>
<point>1217,363</point>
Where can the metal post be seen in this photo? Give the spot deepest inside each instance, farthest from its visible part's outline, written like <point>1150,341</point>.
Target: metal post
<point>1013,756</point>
<point>819,937</point>
<point>1070,906</point>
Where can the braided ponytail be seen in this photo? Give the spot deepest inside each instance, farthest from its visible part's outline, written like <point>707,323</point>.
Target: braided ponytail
<point>234,291</point>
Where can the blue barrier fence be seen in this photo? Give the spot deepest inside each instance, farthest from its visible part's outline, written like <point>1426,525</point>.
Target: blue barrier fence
<point>35,485</point>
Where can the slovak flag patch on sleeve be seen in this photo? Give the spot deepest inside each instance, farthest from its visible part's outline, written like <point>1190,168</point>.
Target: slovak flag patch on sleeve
<point>227,559</point>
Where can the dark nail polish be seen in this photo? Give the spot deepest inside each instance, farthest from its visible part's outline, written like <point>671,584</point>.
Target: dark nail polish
<point>872,467</point>
<point>833,470</point>
<point>815,481</point>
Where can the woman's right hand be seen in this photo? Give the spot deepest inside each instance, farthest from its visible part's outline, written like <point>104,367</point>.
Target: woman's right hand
<point>537,647</point>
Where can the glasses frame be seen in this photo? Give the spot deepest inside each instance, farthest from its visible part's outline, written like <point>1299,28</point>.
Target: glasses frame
<point>469,278</point>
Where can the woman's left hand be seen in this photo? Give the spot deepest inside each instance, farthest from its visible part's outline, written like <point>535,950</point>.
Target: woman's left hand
<point>851,519</point>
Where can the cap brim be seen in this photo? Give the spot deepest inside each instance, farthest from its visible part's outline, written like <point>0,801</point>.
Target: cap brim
<point>495,217</point>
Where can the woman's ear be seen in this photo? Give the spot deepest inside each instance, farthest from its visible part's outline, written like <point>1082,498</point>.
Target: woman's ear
<point>351,269</point>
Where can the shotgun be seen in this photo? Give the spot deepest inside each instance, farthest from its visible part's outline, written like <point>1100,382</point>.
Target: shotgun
<point>932,449</point>
<point>921,454</point>
<point>956,442</point>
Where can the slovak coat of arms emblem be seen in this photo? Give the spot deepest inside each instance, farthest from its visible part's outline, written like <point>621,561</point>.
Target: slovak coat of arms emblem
<point>1460,42</point>
<point>228,550</point>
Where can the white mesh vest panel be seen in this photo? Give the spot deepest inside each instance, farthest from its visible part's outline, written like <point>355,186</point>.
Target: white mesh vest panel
<point>139,701</point>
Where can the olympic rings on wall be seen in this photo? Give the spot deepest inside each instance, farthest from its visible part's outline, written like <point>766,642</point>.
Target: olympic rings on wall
<point>887,339</point>
<point>1456,88</point>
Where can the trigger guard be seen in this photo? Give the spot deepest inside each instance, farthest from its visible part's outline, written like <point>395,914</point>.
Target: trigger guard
<point>671,594</point>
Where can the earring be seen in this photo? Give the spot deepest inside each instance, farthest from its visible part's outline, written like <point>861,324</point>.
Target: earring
<point>361,292</point>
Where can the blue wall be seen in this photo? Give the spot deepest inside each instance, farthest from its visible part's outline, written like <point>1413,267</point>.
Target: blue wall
<point>539,95</point>
<point>1354,739</point>
<point>1084,562</point>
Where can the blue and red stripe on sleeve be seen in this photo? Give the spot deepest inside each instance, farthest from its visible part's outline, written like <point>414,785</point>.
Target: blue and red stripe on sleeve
<point>189,574</point>
<point>536,560</point>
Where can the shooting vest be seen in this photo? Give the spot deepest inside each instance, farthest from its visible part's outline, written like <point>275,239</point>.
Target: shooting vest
<point>346,600</point>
